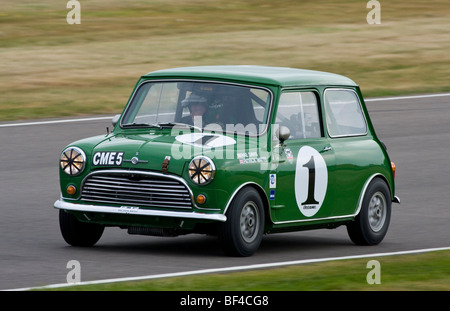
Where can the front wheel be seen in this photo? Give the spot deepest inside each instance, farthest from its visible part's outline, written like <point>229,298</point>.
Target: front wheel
<point>242,233</point>
<point>372,222</point>
<point>77,233</point>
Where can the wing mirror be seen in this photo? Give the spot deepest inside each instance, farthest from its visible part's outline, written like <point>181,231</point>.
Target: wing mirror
<point>115,119</point>
<point>283,133</point>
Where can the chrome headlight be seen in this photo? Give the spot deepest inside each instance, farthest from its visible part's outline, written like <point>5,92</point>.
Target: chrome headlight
<point>72,161</point>
<point>201,170</point>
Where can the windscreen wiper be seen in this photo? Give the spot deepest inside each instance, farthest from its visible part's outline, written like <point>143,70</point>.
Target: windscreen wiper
<point>172,124</point>
<point>141,125</point>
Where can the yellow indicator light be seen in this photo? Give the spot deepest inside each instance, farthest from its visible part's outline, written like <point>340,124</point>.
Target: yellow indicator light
<point>393,168</point>
<point>201,199</point>
<point>71,190</point>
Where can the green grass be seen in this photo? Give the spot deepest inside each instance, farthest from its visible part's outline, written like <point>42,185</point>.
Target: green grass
<point>49,68</point>
<point>420,272</point>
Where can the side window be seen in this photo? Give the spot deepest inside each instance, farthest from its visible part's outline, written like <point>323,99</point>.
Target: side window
<point>299,112</point>
<point>343,112</point>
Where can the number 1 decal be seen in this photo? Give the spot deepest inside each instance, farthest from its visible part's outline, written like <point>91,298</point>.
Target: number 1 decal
<point>311,182</point>
<point>311,179</point>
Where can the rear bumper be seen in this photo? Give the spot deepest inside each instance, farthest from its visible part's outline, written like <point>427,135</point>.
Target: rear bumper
<point>59,204</point>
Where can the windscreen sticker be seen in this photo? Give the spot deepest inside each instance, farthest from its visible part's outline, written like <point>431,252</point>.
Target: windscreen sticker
<point>311,180</point>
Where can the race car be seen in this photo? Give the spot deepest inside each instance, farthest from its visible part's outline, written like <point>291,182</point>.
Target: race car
<point>232,151</point>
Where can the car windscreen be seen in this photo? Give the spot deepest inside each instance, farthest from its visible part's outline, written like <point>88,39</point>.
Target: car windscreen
<point>210,106</point>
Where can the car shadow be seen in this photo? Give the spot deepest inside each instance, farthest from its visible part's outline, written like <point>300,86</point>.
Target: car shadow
<point>195,245</point>
<point>306,241</point>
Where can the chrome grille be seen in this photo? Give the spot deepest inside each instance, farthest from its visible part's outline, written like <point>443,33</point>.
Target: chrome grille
<point>135,189</point>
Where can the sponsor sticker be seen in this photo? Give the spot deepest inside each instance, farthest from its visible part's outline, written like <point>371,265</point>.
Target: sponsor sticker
<point>289,154</point>
<point>128,209</point>
<point>272,194</point>
<point>273,181</point>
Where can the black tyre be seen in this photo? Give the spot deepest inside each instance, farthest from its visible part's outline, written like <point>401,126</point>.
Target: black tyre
<point>372,222</point>
<point>77,233</point>
<point>242,233</point>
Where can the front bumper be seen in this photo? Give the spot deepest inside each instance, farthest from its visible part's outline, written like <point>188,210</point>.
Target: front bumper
<point>59,204</point>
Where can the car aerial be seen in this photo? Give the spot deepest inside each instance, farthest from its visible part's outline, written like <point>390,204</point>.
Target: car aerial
<point>232,151</point>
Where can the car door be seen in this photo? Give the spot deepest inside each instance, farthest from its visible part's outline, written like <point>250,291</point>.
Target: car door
<point>302,186</point>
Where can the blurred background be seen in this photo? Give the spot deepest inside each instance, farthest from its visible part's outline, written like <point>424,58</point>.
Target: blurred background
<point>50,68</point>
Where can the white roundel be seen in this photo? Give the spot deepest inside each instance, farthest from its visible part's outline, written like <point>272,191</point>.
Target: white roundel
<point>205,140</point>
<point>311,179</point>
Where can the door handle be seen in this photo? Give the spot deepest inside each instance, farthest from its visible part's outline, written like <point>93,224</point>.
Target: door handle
<point>327,148</point>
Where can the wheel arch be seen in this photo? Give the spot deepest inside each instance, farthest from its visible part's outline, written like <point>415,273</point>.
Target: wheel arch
<point>366,185</point>
<point>261,193</point>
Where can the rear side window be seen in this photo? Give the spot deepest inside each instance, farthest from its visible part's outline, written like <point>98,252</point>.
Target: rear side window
<point>343,112</point>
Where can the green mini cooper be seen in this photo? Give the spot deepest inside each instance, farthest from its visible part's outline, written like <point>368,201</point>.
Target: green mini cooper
<point>232,151</point>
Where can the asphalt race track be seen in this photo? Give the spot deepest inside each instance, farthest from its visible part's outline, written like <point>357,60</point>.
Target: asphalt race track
<point>416,131</point>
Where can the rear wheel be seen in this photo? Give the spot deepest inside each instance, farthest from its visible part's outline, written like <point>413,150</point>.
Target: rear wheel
<point>242,233</point>
<point>77,233</point>
<point>371,225</point>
